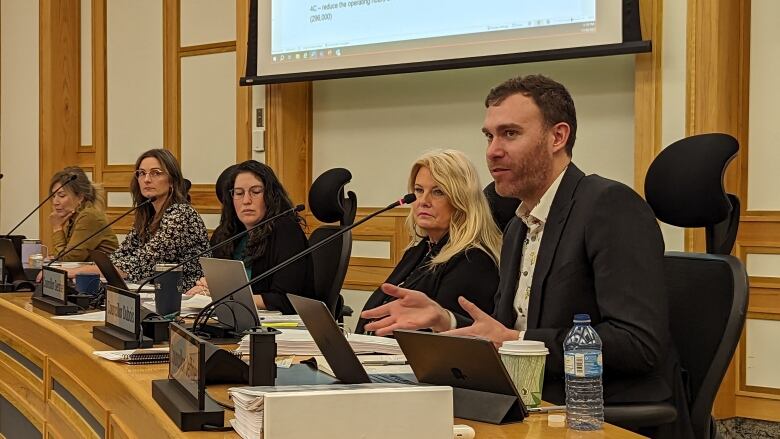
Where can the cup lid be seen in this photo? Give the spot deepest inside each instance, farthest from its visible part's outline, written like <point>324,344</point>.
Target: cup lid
<point>523,347</point>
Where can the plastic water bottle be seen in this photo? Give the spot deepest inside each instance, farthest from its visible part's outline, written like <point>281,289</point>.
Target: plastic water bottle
<point>583,367</point>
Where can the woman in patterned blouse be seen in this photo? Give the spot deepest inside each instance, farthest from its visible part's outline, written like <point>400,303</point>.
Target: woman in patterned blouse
<point>167,230</point>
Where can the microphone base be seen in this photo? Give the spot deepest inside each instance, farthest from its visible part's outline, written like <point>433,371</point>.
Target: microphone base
<point>119,339</point>
<point>53,306</point>
<point>156,327</point>
<point>182,410</point>
<point>80,300</point>
<point>220,334</point>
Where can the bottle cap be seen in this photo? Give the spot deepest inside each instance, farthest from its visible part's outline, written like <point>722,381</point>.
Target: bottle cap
<point>523,347</point>
<point>581,318</point>
<point>556,420</point>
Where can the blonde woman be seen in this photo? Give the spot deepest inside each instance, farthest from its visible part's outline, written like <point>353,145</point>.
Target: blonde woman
<point>78,210</point>
<point>454,249</point>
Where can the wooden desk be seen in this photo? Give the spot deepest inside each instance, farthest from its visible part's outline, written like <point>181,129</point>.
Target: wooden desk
<point>48,373</point>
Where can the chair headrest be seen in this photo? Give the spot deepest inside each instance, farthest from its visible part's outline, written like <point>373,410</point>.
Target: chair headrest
<point>684,184</point>
<point>222,181</point>
<point>502,208</point>
<point>326,196</point>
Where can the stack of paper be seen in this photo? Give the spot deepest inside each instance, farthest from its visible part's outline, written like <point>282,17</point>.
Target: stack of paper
<point>300,342</point>
<point>248,422</point>
<point>373,364</point>
<point>249,402</point>
<point>189,304</point>
<point>134,287</point>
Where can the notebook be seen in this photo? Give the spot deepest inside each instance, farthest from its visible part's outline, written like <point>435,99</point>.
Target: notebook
<point>142,356</point>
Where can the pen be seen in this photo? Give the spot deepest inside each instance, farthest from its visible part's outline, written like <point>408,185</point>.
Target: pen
<point>383,362</point>
<point>552,408</point>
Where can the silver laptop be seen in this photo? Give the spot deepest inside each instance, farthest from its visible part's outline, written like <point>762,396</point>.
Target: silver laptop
<point>224,276</point>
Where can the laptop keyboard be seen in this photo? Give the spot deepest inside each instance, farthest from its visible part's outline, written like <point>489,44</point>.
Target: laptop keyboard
<point>390,378</point>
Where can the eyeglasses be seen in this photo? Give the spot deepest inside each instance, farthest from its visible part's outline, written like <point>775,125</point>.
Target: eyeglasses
<point>154,173</point>
<point>255,192</point>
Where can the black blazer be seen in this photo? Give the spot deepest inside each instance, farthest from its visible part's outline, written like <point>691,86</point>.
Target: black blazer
<point>471,274</point>
<point>602,254</point>
<point>286,240</point>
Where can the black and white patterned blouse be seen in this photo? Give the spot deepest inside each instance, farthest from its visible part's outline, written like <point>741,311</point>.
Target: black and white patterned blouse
<point>181,234</point>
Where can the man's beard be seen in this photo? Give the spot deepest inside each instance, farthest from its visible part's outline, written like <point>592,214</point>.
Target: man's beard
<point>531,172</point>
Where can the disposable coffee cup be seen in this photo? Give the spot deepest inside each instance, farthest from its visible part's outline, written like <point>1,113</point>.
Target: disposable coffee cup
<point>524,361</point>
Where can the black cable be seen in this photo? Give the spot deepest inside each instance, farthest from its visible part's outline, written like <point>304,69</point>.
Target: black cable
<point>207,427</point>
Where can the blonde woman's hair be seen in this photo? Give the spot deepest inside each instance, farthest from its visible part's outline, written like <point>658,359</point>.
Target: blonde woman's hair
<point>471,224</point>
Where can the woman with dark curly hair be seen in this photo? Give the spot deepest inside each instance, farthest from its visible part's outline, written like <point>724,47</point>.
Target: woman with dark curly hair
<point>252,193</point>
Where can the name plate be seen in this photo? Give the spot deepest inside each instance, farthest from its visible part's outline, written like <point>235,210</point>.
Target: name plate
<point>186,364</point>
<point>53,283</point>
<point>123,309</point>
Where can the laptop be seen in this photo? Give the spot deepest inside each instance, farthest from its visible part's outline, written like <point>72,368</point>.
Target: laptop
<point>224,276</point>
<point>13,266</point>
<point>482,388</point>
<point>450,360</point>
<point>107,269</point>
<point>335,347</point>
<point>444,360</point>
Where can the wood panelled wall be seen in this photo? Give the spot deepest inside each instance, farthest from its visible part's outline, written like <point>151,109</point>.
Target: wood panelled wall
<point>718,95</point>
<point>60,98</point>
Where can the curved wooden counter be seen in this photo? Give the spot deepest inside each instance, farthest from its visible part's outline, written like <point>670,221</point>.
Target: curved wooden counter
<point>49,374</point>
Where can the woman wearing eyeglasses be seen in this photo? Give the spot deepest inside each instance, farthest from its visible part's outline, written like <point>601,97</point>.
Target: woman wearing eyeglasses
<point>165,231</point>
<point>252,193</point>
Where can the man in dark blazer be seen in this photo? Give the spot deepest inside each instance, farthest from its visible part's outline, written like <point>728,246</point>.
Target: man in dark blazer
<point>594,247</point>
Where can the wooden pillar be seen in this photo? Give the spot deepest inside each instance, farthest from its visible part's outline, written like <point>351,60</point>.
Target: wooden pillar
<point>289,131</point>
<point>647,93</point>
<point>243,94</point>
<point>60,94</point>
<point>171,78</point>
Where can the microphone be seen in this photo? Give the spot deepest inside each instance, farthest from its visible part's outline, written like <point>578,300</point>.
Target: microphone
<point>407,199</point>
<point>72,177</point>
<point>297,208</point>
<point>65,251</point>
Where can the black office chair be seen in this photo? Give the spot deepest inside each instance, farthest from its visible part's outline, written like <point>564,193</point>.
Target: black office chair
<point>223,181</point>
<point>707,293</point>
<point>329,205</point>
<point>187,187</point>
<point>502,208</point>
